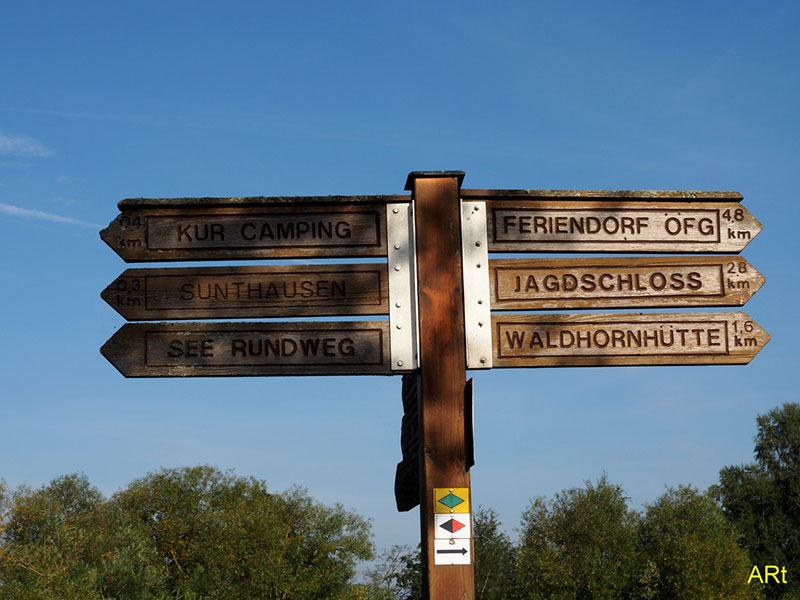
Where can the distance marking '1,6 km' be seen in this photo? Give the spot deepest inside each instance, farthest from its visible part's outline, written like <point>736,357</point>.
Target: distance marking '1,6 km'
<point>562,340</point>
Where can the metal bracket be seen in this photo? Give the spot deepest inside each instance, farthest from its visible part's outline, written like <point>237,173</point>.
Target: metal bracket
<point>403,313</point>
<point>477,310</point>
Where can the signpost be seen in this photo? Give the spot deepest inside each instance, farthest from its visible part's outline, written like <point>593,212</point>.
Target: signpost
<point>436,289</point>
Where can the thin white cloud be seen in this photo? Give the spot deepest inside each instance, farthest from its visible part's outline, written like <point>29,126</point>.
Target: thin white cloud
<point>23,147</point>
<point>29,213</point>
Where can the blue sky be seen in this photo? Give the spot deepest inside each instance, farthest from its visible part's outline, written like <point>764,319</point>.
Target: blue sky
<point>105,101</point>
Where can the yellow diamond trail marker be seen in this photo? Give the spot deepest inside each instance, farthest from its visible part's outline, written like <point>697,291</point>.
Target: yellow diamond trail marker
<point>450,500</point>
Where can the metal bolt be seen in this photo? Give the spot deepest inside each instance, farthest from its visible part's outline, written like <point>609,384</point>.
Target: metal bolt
<point>480,323</point>
<point>478,243</point>
<point>397,267</point>
<point>395,210</point>
<point>478,265</point>
<point>397,304</point>
<point>476,207</point>
<point>397,246</point>
<point>399,325</point>
<point>399,363</point>
<point>451,489</point>
<point>480,300</point>
<point>483,359</point>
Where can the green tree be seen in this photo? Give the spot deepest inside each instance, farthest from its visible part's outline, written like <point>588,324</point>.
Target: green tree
<point>763,498</point>
<point>581,544</point>
<point>494,558</point>
<point>179,533</point>
<point>691,551</point>
<point>396,576</point>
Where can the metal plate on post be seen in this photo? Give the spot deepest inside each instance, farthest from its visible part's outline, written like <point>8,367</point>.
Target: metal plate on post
<point>403,317</point>
<point>477,310</point>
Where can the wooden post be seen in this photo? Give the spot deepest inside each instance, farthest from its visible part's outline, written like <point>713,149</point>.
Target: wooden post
<point>442,369</point>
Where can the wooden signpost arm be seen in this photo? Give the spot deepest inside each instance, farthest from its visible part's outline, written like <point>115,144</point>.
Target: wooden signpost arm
<point>442,368</point>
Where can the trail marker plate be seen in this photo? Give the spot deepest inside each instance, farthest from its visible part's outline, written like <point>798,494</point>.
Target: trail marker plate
<point>452,551</point>
<point>450,500</point>
<point>456,525</point>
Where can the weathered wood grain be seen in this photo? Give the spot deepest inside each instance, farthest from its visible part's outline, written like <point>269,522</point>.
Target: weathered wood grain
<point>250,292</point>
<point>621,282</point>
<point>197,232</point>
<point>671,195</point>
<point>521,225</point>
<point>442,368</point>
<point>250,349</point>
<point>258,201</point>
<point>568,340</point>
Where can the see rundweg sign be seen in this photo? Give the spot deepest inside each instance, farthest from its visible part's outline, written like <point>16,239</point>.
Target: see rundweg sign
<point>250,349</point>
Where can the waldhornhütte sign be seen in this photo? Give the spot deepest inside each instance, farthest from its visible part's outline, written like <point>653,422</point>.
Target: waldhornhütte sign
<point>440,319</point>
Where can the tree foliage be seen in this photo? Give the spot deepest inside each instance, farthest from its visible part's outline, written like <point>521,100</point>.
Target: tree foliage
<point>763,498</point>
<point>179,533</point>
<point>581,544</point>
<point>691,551</point>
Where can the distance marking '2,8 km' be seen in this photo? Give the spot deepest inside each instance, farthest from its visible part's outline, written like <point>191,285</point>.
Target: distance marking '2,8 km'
<point>569,340</point>
<point>621,282</point>
<point>618,226</point>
